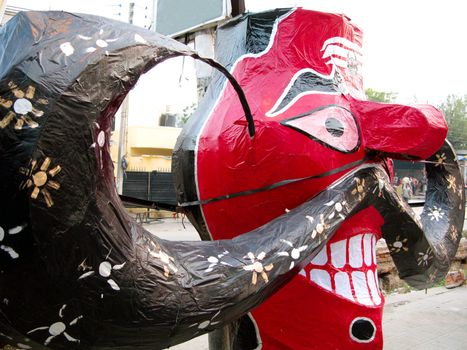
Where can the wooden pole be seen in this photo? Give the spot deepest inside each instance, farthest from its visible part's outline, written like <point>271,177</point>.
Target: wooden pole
<point>122,142</point>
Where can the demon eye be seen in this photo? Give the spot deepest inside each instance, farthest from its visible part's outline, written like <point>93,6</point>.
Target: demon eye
<point>332,126</point>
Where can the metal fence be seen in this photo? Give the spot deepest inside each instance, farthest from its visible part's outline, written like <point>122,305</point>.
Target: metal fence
<point>152,186</point>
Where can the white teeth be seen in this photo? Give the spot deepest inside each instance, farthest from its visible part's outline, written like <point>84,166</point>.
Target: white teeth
<point>321,278</point>
<point>361,288</point>
<point>321,258</point>
<point>302,272</point>
<point>373,289</point>
<point>360,284</point>
<point>339,253</point>
<point>367,240</point>
<point>342,282</point>
<point>355,251</point>
<point>376,278</point>
<point>373,249</point>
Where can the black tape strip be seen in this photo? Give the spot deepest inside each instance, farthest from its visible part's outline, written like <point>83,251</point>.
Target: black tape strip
<point>236,86</point>
<point>275,185</point>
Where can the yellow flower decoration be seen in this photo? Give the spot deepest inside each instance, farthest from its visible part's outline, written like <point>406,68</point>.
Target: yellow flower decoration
<point>20,109</point>
<point>41,180</point>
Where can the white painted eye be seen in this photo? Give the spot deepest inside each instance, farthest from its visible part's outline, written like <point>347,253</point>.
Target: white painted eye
<point>332,126</point>
<point>362,330</point>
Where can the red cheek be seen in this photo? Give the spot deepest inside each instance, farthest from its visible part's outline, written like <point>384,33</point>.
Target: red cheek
<point>306,317</point>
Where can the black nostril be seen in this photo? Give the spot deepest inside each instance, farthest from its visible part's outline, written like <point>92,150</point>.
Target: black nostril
<point>362,330</point>
<point>334,127</point>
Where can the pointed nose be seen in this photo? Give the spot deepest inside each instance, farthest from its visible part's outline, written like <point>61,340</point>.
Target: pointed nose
<point>400,131</point>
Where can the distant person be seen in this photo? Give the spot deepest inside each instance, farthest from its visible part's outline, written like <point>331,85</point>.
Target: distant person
<point>406,189</point>
<point>424,185</point>
<point>415,186</point>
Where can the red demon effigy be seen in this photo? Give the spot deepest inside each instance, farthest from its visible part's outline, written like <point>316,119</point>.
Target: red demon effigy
<point>284,164</point>
<point>301,73</point>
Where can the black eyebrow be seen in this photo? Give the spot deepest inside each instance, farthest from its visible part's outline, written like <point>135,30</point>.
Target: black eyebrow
<point>308,82</point>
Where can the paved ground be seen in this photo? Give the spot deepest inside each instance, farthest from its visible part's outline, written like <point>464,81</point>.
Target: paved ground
<point>413,321</point>
<point>432,321</point>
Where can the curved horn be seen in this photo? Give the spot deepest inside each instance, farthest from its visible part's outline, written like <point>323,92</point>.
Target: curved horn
<point>423,250</point>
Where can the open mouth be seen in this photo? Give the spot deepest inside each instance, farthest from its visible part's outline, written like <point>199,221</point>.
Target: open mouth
<point>347,268</point>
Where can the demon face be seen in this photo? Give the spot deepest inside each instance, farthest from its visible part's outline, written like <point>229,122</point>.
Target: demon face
<point>300,71</point>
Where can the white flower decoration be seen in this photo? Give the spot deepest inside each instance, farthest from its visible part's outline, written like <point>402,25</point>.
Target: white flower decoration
<point>105,270</point>
<point>398,245</point>
<point>320,228</point>
<point>58,328</point>
<point>294,253</point>
<point>205,324</point>
<point>435,213</point>
<point>424,257</point>
<point>257,267</point>
<point>99,43</point>
<point>215,260</point>
<point>338,209</point>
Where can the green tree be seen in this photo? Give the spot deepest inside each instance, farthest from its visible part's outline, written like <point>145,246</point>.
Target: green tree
<point>455,112</point>
<point>380,96</point>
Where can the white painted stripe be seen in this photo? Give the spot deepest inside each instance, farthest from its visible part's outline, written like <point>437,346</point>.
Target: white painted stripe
<point>321,278</point>
<point>367,248</point>
<point>339,253</point>
<point>355,251</point>
<point>342,282</point>
<point>373,289</point>
<point>339,51</point>
<point>343,41</point>
<point>361,288</point>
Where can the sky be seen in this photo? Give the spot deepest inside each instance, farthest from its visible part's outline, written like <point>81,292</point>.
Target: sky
<point>415,48</point>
